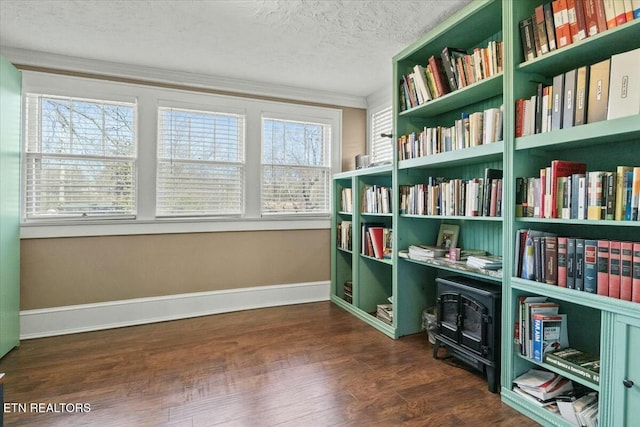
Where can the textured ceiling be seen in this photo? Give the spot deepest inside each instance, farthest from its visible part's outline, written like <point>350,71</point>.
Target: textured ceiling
<point>342,47</point>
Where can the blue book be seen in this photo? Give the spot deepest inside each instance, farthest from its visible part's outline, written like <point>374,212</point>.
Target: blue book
<point>590,280</point>
<point>549,334</point>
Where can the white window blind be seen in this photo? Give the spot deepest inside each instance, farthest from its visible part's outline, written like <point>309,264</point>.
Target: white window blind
<point>200,169</point>
<point>296,167</point>
<point>381,147</point>
<point>80,158</point>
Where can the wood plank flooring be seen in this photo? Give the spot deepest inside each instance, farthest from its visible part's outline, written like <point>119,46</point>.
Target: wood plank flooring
<point>301,365</point>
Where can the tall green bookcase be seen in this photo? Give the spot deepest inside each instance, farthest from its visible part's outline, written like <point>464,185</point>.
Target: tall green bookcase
<point>603,325</point>
<point>10,95</point>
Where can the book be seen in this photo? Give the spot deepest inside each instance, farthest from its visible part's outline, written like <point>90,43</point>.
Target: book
<point>635,279</point>
<point>542,385</point>
<point>568,114</point>
<point>582,94</point>
<point>541,28</point>
<point>610,13</point>
<point>421,252</point>
<point>377,240</point>
<point>551,28</point>
<point>561,22</point>
<point>532,308</point>
<point>609,195</point>
<point>448,61</point>
<point>551,260</point>
<point>626,265</point>
<point>561,168</point>
<point>614,268</point>
<point>562,262</point>
<point>590,266</point>
<point>598,101</point>
<point>603,268</point>
<point>594,25</point>
<point>624,85</point>
<point>580,363</point>
<point>571,262</point>
<point>549,334</point>
<point>579,265</point>
<point>635,195</point>
<point>576,20</point>
<point>558,109</point>
<point>620,208</point>
<point>595,198</point>
<point>487,262</point>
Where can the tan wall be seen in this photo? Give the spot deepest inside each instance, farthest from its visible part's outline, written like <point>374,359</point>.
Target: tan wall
<point>66,271</point>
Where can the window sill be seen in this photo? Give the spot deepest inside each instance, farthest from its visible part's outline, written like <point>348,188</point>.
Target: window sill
<point>168,226</point>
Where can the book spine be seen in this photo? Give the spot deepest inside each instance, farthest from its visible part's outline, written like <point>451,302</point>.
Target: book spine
<point>603,268</point>
<point>551,260</point>
<point>571,263</point>
<point>573,368</point>
<point>590,265</point>
<point>626,261</point>
<point>562,262</point>
<point>635,195</point>
<point>614,268</point>
<point>561,22</point>
<point>551,28</point>
<point>579,270</point>
<point>558,93</point>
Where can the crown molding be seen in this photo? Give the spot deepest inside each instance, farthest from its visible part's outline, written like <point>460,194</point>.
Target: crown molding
<point>113,69</point>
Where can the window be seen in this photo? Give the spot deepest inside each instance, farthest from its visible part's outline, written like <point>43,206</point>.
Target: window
<point>80,158</point>
<point>110,158</point>
<point>381,147</point>
<point>200,167</point>
<point>296,167</point>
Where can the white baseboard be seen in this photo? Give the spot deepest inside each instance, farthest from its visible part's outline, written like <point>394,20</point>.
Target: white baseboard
<point>114,314</point>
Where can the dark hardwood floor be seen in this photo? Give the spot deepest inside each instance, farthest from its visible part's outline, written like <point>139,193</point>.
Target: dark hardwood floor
<point>302,365</point>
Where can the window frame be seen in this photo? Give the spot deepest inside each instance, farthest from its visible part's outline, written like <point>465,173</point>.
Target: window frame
<point>149,97</point>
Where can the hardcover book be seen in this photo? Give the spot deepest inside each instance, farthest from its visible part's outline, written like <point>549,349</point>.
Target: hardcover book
<point>562,262</point>
<point>603,268</point>
<point>590,265</point>
<point>624,86</point>
<point>635,280</point>
<point>582,94</point>
<point>558,93</point>
<point>577,362</point>
<point>614,268</point>
<point>598,101</point>
<point>626,264</point>
<point>568,114</point>
<point>549,334</point>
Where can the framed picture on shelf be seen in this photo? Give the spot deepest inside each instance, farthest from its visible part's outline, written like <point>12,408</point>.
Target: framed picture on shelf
<point>448,236</point>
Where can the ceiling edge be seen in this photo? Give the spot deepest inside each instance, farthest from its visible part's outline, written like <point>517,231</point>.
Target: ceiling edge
<point>70,63</point>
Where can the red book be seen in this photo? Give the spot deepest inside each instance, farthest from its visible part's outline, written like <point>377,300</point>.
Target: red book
<point>591,18</point>
<point>437,69</point>
<point>577,24</point>
<point>601,15</point>
<point>561,21</point>
<point>562,262</point>
<point>614,269</point>
<point>626,261</point>
<point>635,280</point>
<point>562,168</point>
<point>603,268</point>
<point>377,241</point>
<point>519,117</point>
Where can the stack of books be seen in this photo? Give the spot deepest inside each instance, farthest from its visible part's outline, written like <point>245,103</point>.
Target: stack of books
<point>384,312</point>
<point>348,291</point>
<point>486,262</point>
<point>579,407</point>
<point>541,387</point>
<point>424,252</point>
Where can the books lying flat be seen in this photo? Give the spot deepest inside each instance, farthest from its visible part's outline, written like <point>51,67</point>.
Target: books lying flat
<point>384,312</point>
<point>542,385</point>
<point>488,262</point>
<point>577,362</point>
<point>421,252</point>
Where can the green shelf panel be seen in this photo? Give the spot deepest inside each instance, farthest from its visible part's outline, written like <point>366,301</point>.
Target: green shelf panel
<point>472,155</point>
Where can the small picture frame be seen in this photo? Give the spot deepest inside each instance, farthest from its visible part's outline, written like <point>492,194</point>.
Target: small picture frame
<point>448,236</point>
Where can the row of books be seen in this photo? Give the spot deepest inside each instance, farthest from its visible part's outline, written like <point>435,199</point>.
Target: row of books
<point>346,204</point>
<point>471,130</point>
<point>527,342</point>
<point>563,22</point>
<point>454,197</point>
<point>454,69</point>
<point>575,403</point>
<point>376,240</point>
<point>604,267</point>
<point>588,94</point>
<point>376,199</point>
<point>348,291</point>
<point>345,235</point>
<point>565,189</point>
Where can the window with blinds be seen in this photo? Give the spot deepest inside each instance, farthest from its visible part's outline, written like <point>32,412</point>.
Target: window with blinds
<point>296,167</point>
<point>80,158</point>
<point>200,170</point>
<point>381,147</point>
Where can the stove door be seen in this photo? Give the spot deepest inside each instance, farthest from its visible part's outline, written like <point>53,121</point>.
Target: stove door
<point>448,311</point>
<point>473,328</point>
